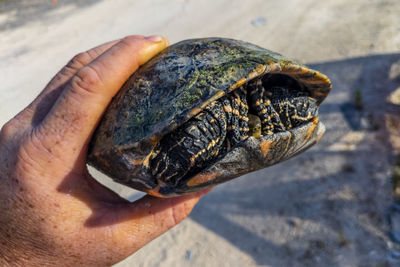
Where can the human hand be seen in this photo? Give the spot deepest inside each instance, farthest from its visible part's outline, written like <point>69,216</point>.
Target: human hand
<point>52,211</point>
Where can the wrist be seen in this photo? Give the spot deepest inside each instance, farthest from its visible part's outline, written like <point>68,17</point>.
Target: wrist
<point>18,234</point>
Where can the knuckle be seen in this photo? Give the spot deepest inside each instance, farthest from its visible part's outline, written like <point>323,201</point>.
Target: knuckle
<point>87,79</point>
<point>79,60</point>
<point>7,130</point>
<point>11,129</point>
<point>76,63</point>
<point>45,143</point>
<point>64,73</point>
<point>31,155</point>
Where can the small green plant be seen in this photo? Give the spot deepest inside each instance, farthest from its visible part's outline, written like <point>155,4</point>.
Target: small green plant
<point>358,103</point>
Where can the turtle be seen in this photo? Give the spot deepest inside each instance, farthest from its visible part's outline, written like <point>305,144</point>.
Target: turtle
<point>205,111</point>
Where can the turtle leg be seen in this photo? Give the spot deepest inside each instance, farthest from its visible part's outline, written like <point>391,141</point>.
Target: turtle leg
<point>240,99</point>
<point>190,148</point>
<point>293,109</point>
<point>236,109</point>
<point>262,106</point>
<point>217,125</point>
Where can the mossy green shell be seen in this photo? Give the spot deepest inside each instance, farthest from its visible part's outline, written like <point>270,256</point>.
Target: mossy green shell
<point>172,87</point>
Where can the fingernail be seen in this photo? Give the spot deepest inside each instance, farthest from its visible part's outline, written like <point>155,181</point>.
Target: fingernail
<point>154,38</point>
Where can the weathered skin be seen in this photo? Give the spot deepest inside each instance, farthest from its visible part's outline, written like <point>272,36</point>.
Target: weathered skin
<point>173,87</point>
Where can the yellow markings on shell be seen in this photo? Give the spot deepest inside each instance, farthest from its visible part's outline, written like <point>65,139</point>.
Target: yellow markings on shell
<point>312,128</point>
<point>322,78</point>
<point>319,94</point>
<point>240,82</point>
<point>198,109</point>
<point>202,178</point>
<point>194,112</point>
<point>265,146</point>
<point>154,140</point>
<point>259,69</point>
<point>311,81</point>
<point>293,69</point>
<point>154,192</point>
<point>217,95</point>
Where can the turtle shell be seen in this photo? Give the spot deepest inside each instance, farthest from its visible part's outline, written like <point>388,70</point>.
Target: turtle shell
<point>176,85</point>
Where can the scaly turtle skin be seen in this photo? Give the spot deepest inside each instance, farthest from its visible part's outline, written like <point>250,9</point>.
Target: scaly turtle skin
<point>205,111</point>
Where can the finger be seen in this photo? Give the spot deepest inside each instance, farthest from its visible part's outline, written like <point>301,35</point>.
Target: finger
<point>145,220</point>
<point>80,106</point>
<point>36,110</point>
<point>45,100</point>
<point>77,62</point>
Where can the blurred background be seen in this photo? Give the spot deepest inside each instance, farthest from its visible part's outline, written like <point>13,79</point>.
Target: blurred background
<point>334,205</point>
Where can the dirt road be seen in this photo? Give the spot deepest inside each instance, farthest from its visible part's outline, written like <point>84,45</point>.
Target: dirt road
<point>326,207</point>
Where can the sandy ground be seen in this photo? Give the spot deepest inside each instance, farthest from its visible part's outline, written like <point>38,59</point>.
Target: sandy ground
<point>330,206</point>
